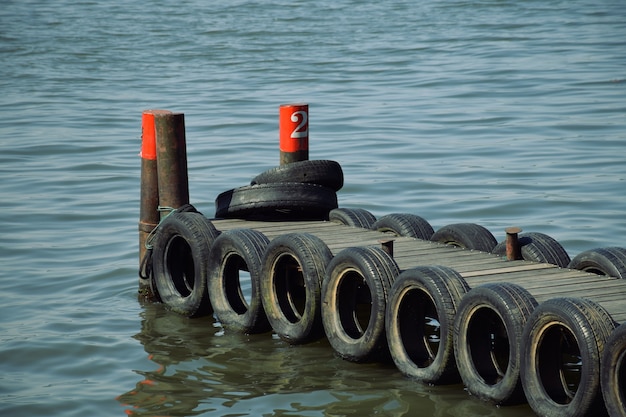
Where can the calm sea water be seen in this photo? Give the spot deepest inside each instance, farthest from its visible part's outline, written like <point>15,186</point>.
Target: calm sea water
<point>493,112</point>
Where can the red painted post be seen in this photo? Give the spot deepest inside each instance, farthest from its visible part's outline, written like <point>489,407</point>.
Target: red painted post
<point>149,193</point>
<point>293,133</point>
<point>171,160</point>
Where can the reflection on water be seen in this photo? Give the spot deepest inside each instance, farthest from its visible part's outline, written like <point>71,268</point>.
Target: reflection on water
<point>200,368</point>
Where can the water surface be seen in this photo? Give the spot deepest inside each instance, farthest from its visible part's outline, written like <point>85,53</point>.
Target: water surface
<point>493,112</point>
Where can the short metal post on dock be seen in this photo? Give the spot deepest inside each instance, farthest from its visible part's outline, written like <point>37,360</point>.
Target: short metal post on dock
<point>513,248</point>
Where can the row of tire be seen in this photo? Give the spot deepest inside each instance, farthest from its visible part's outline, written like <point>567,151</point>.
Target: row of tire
<point>426,319</point>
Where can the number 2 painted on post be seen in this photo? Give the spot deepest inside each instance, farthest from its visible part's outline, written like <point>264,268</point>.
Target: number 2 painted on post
<point>301,131</point>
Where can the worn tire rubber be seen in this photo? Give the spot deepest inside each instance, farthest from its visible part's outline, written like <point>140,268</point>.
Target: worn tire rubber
<point>354,298</point>
<point>488,337</point>
<point>234,251</point>
<point>276,201</point>
<point>538,247</point>
<point>465,235</point>
<point>404,224</point>
<point>352,217</point>
<point>294,265</point>
<point>180,262</point>
<point>146,265</point>
<point>613,373</point>
<point>419,323</point>
<point>602,261</point>
<point>321,172</point>
<point>563,341</point>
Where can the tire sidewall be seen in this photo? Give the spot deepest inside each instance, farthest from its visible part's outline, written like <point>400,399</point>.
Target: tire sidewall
<point>466,235</point>
<point>599,260</point>
<point>613,365</point>
<point>234,246</point>
<point>563,313</point>
<point>404,224</point>
<point>312,261</point>
<point>179,227</point>
<point>373,338</point>
<point>322,172</point>
<point>496,298</point>
<point>442,369</point>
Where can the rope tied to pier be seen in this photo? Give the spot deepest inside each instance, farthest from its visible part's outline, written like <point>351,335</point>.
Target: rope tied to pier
<point>151,236</point>
<point>145,266</point>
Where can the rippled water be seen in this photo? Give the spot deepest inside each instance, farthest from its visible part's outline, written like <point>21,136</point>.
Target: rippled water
<point>494,112</point>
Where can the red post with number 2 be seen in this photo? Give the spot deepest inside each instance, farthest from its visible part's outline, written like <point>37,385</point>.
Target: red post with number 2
<point>293,129</point>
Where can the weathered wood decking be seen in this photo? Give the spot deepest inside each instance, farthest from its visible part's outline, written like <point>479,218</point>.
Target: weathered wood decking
<point>543,281</point>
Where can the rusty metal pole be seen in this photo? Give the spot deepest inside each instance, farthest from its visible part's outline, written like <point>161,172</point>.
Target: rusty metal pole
<point>293,126</point>
<point>513,248</point>
<point>149,198</point>
<point>171,160</point>
<point>149,190</point>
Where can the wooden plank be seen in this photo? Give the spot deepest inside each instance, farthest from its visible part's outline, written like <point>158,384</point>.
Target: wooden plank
<point>587,291</point>
<point>425,256</point>
<point>521,277</point>
<point>614,305</point>
<point>508,270</point>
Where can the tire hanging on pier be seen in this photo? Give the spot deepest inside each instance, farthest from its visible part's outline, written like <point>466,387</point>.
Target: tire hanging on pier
<point>233,254</point>
<point>613,373</point>
<point>419,322</point>
<point>404,224</point>
<point>538,247</point>
<point>466,235</point>
<point>352,217</point>
<point>602,261</point>
<point>563,342</point>
<point>354,299</point>
<point>276,201</point>
<point>321,172</point>
<point>180,262</point>
<point>488,327</point>
<point>293,269</point>
<point>146,265</point>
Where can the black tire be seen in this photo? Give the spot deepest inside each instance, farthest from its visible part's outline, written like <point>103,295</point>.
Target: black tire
<point>601,261</point>
<point>233,252</point>
<point>276,201</point>
<point>180,262</point>
<point>538,247</point>
<point>293,270</point>
<point>321,172</point>
<point>563,341</point>
<point>419,322</point>
<point>613,373</point>
<point>466,235</point>
<point>146,264</point>
<point>352,217</point>
<point>354,298</point>
<point>488,326</point>
<point>404,224</point>
<point>187,208</point>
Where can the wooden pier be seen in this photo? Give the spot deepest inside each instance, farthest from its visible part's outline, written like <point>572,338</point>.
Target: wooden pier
<point>543,281</point>
<point>511,328</point>
<point>504,347</point>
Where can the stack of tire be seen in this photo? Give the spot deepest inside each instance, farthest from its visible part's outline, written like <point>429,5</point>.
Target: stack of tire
<point>304,190</point>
